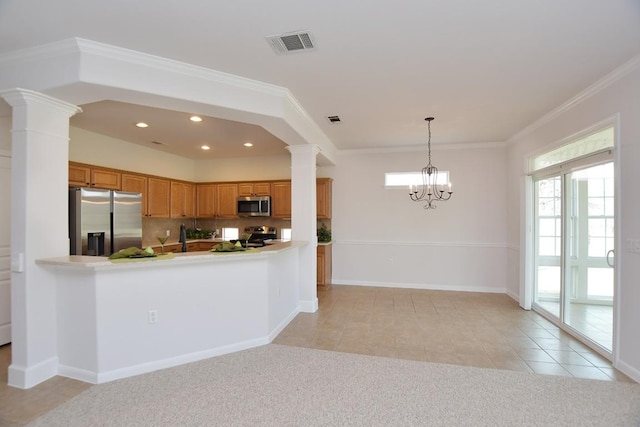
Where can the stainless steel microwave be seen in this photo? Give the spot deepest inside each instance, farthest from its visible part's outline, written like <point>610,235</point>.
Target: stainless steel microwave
<point>254,206</point>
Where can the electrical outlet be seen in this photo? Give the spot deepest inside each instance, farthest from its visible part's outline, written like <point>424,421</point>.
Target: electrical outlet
<point>153,316</point>
<point>168,233</point>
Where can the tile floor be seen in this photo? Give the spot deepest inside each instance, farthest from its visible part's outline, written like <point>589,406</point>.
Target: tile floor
<point>463,328</point>
<point>592,320</point>
<point>485,330</point>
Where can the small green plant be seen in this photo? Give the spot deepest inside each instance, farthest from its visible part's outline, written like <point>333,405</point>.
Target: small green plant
<point>324,234</point>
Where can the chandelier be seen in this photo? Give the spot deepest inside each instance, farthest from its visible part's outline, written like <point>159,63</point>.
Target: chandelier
<point>431,190</point>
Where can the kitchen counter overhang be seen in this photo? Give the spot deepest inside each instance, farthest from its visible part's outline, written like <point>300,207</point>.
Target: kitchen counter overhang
<point>179,258</point>
<point>116,320</point>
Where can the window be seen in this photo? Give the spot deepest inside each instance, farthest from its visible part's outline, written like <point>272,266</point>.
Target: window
<point>229,233</point>
<point>586,145</point>
<point>405,179</point>
<point>285,234</point>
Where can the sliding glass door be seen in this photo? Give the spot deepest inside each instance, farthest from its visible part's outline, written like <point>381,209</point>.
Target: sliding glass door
<point>574,249</point>
<point>590,263</point>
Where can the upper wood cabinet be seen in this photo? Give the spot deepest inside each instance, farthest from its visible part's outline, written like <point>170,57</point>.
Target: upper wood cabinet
<point>137,184</point>
<point>159,197</point>
<point>227,200</point>
<point>95,177</point>
<point>281,199</point>
<point>323,197</point>
<point>182,200</point>
<point>254,189</point>
<point>205,200</point>
<point>216,200</point>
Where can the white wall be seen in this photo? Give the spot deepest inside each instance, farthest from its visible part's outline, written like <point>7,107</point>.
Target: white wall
<point>96,149</point>
<point>381,237</point>
<point>5,133</point>
<point>616,95</point>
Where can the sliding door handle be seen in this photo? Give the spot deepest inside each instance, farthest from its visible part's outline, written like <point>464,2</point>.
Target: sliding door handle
<point>610,259</point>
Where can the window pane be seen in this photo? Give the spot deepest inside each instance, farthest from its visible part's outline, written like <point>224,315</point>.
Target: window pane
<point>597,247</point>
<point>597,227</point>
<point>547,227</point>
<point>590,144</point>
<point>547,246</point>
<point>600,283</point>
<point>229,233</point>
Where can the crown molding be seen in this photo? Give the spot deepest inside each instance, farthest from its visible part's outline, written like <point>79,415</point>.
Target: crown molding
<point>421,148</point>
<point>158,62</point>
<point>617,74</point>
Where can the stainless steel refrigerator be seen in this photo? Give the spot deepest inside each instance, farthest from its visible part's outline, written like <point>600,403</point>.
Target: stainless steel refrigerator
<point>102,222</point>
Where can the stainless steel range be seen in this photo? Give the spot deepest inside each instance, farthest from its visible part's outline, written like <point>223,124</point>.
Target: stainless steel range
<point>260,233</point>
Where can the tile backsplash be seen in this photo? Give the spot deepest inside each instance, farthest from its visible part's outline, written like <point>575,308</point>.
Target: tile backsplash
<point>153,227</point>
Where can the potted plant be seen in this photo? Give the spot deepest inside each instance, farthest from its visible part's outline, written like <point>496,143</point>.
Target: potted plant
<point>324,234</point>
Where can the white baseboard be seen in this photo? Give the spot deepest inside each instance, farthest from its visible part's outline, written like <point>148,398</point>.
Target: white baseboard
<point>421,286</point>
<point>628,370</point>
<point>5,334</point>
<point>143,368</point>
<point>274,333</point>
<point>308,306</point>
<point>22,377</point>
<point>513,295</point>
<point>78,374</point>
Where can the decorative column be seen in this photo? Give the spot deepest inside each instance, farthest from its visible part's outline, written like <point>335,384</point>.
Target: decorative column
<point>304,219</point>
<point>39,228</point>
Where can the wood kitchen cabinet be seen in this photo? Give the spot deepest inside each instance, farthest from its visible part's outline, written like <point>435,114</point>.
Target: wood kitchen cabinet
<point>323,197</point>
<point>227,200</point>
<point>281,199</point>
<point>205,200</point>
<point>246,189</point>
<point>158,197</point>
<point>183,200</point>
<point>323,276</point>
<point>88,176</point>
<point>216,200</point>
<point>136,184</point>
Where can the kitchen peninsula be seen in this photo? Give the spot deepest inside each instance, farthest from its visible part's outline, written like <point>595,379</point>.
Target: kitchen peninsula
<point>116,320</point>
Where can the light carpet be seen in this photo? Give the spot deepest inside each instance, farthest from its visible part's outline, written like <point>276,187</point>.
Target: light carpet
<point>276,385</point>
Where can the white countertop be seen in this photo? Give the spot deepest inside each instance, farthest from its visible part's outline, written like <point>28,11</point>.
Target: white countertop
<point>181,258</point>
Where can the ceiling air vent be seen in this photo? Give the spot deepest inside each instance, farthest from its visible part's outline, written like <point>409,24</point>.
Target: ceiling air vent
<point>291,42</point>
<point>334,119</point>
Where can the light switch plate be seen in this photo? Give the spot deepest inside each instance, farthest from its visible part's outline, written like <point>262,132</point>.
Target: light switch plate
<point>633,245</point>
<point>17,263</point>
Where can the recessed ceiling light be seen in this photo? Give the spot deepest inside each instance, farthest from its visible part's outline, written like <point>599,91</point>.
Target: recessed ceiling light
<point>196,119</point>
<point>248,144</point>
<point>142,125</point>
<point>205,147</point>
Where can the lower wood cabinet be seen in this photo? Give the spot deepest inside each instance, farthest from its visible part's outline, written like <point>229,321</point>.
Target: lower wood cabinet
<point>324,265</point>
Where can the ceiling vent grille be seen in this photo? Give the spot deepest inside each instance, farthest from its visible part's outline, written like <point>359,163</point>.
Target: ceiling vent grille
<point>291,42</point>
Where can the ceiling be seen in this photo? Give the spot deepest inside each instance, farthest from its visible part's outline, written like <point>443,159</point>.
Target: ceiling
<point>485,69</point>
